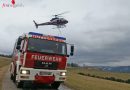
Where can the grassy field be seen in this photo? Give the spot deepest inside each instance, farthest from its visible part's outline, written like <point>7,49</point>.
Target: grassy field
<point>79,82</point>
<point>4,62</point>
<point>97,72</point>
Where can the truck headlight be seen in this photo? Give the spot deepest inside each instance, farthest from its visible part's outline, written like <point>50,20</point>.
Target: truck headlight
<point>25,71</point>
<point>62,73</point>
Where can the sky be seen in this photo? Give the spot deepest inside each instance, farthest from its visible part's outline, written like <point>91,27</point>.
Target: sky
<point>99,29</point>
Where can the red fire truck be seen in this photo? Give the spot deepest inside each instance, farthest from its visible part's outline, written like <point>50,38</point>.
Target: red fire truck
<point>41,59</point>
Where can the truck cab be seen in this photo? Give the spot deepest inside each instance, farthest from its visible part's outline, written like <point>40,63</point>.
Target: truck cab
<point>41,59</point>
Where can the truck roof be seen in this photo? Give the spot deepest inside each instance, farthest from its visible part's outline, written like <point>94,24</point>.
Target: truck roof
<point>39,34</point>
<point>44,36</point>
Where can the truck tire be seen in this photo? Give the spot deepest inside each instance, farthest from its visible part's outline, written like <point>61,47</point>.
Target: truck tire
<point>55,85</point>
<point>11,77</point>
<point>19,84</point>
<point>14,76</point>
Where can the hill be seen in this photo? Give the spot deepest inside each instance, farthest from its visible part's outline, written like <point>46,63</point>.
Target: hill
<point>80,82</point>
<point>116,68</point>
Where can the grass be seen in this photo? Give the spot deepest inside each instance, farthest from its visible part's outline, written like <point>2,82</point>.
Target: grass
<point>97,72</point>
<point>79,82</point>
<point>4,62</point>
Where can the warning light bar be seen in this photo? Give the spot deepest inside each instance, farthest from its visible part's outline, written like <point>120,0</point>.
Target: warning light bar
<point>33,33</point>
<point>39,34</point>
<point>60,37</point>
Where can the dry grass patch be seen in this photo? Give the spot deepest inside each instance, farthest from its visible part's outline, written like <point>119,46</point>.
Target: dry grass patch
<point>79,82</point>
<point>97,72</point>
<point>4,62</point>
<point>3,70</point>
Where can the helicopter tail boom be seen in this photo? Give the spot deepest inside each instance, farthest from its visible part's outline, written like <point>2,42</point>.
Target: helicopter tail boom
<point>35,24</point>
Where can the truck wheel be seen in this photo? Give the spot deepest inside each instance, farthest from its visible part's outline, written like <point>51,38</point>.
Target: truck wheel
<point>14,76</point>
<point>55,85</point>
<point>19,84</point>
<point>11,77</point>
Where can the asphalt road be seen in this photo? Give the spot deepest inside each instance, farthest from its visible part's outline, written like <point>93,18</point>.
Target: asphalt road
<point>9,85</point>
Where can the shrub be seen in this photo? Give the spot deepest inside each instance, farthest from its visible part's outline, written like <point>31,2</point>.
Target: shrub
<point>93,76</point>
<point>82,74</point>
<point>112,78</point>
<point>119,80</point>
<point>127,81</point>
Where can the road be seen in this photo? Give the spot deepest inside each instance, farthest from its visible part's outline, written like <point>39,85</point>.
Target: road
<point>9,85</point>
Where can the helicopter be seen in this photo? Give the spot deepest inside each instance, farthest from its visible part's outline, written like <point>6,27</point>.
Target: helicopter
<point>56,20</point>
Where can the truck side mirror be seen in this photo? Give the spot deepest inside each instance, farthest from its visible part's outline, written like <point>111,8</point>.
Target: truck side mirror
<point>18,47</point>
<point>72,50</point>
<point>19,43</point>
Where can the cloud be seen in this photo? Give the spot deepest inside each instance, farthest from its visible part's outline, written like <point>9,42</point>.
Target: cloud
<point>98,28</point>
<point>102,47</point>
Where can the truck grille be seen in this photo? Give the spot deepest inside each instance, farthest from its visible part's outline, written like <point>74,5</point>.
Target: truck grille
<point>45,65</point>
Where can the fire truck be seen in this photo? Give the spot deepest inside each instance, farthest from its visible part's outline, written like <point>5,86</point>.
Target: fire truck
<point>41,59</point>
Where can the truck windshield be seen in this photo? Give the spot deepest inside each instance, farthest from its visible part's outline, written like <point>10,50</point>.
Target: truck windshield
<point>46,46</point>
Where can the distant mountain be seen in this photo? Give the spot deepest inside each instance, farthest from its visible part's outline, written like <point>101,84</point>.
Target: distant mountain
<point>115,69</point>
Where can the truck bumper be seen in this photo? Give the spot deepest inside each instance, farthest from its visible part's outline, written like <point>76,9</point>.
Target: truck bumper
<point>41,75</point>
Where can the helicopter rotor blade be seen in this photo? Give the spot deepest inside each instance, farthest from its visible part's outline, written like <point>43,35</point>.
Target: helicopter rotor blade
<point>57,15</point>
<point>63,13</point>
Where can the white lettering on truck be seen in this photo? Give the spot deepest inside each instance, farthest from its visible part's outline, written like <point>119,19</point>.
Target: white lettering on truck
<point>49,58</point>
